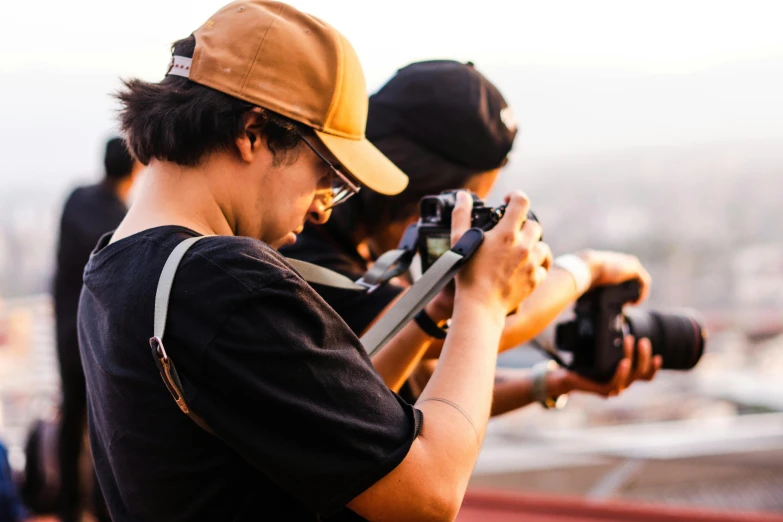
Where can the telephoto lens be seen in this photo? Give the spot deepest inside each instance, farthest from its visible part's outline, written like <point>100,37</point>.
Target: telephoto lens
<point>677,336</point>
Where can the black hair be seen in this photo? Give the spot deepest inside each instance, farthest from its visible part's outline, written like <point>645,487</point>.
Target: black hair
<point>117,161</point>
<point>181,121</point>
<point>428,174</point>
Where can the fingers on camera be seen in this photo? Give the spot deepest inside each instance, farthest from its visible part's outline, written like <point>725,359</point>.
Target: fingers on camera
<point>657,364</point>
<point>654,362</point>
<point>628,346</point>
<point>517,208</point>
<point>461,216</point>
<point>643,358</point>
<point>620,378</point>
<point>540,274</point>
<point>531,232</point>
<point>543,255</point>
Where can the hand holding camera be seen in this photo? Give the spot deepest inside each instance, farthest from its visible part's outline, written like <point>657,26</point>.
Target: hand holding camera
<point>612,268</point>
<point>511,262</point>
<point>564,380</point>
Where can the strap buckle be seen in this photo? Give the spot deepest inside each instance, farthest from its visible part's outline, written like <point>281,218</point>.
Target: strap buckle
<point>168,373</point>
<point>156,343</point>
<point>369,286</point>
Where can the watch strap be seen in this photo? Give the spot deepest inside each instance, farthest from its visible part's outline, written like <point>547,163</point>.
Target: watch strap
<point>429,326</point>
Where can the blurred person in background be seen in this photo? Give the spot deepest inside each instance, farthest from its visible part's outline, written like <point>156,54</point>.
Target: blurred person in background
<point>89,212</point>
<point>448,127</point>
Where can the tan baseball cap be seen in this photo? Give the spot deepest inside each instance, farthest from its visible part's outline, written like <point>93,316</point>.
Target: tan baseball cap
<point>292,63</point>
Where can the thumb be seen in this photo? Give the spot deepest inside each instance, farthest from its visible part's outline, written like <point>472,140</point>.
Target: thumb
<point>460,216</point>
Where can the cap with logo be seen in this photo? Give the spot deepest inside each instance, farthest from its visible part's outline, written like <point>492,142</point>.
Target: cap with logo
<point>292,63</point>
<point>446,108</point>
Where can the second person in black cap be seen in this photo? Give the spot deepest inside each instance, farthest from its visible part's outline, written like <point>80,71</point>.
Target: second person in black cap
<point>448,127</point>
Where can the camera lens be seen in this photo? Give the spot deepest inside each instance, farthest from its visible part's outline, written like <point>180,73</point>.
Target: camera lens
<point>677,337</point>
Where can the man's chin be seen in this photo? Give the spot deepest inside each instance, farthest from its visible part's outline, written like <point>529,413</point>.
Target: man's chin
<point>288,239</point>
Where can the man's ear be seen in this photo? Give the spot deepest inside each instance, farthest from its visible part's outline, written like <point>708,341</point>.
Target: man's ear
<point>249,141</point>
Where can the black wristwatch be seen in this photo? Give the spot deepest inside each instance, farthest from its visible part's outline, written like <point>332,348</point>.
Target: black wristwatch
<point>429,326</point>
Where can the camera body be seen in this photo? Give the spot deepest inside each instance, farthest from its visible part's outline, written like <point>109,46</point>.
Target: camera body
<point>434,227</point>
<point>595,336</point>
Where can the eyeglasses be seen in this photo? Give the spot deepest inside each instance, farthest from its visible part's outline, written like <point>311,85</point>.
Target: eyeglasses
<point>341,187</point>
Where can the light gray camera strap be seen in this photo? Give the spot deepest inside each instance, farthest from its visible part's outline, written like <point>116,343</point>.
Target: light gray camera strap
<point>411,302</point>
<point>422,291</point>
<point>166,368</point>
<point>394,262</point>
<point>387,266</point>
<point>323,276</point>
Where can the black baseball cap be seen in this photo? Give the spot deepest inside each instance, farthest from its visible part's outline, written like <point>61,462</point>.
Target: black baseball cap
<point>446,108</point>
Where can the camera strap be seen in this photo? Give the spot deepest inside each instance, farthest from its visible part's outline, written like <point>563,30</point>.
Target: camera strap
<point>166,368</point>
<point>422,291</point>
<point>392,263</point>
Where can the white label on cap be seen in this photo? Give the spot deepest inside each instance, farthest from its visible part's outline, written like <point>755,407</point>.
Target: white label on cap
<point>179,66</point>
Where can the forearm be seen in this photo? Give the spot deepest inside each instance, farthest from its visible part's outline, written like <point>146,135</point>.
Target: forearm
<point>452,431</point>
<point>512,392</point>
<point>464,375</point>
<point>514,389</point>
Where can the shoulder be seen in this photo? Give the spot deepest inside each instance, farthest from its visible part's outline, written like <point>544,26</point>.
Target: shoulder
<point>248,262</point>
<point>82,196</point>
<point>76,196</point>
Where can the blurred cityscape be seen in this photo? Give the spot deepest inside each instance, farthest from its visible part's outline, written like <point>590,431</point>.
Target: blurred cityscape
<point>704,220</point>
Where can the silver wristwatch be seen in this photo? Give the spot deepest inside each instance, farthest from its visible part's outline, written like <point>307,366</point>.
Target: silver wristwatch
<point>540,393</point>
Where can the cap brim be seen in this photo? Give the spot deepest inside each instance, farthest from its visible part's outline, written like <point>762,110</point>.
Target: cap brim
<point>366,163</point>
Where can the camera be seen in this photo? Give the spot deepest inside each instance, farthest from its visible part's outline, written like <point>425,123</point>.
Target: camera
<point>595,336</point>
<point>434,227</point>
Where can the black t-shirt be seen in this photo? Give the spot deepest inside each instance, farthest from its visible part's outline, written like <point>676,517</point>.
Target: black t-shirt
<point>304,422</point>
<point>88,213</point>
<point>324,247</point>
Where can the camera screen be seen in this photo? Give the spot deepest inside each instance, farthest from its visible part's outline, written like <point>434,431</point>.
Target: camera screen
<point>436,246</point>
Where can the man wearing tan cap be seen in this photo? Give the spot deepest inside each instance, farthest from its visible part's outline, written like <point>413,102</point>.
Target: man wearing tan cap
<point>257,127</point>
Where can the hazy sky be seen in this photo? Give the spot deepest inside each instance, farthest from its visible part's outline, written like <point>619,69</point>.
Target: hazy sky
<point>581,76</point>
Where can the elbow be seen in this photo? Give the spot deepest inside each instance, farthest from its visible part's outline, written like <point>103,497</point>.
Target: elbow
<point>441,505</point>
<point>449,508</point>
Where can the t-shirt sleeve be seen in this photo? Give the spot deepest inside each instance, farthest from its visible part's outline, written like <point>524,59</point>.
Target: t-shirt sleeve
<point>289,387</point>
<point>359,309</point>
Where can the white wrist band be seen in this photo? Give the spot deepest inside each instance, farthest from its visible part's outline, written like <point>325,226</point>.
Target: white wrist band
<point>578,269</point>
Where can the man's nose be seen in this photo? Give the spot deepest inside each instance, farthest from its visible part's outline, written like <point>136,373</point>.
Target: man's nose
<point>318,213</point>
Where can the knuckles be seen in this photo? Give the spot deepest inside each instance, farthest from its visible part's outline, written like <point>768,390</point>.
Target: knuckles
<point>519,198</point>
